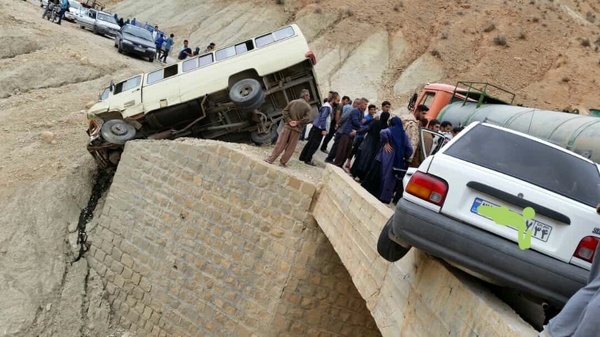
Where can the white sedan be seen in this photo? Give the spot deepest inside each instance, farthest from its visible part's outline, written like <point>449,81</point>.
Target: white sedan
<point>505,206</point>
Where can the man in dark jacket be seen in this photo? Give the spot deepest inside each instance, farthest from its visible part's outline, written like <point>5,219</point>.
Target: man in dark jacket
<point>321,127</point>
<point>295,116</point>
<point>348,131</point>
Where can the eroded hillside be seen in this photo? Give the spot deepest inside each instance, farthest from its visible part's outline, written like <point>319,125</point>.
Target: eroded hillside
<point>544,51</point>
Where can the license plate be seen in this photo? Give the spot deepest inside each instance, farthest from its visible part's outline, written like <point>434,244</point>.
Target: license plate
<point>540,230</point>
<point>138,49</point>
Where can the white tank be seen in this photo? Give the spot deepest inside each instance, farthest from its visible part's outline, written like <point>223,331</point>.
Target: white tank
<point>578,133</point>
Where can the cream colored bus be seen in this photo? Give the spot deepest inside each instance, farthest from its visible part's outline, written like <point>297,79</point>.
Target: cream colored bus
<point>236,93</point>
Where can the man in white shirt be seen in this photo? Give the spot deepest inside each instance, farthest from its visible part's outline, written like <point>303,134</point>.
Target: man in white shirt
<point>155,33</point>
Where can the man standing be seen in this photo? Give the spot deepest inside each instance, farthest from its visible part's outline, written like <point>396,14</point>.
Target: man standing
<point>579,317</point>
<point>348,131</point>
<point>333,126</point>
<point>155,33</point>
<point>338,133</point>
<point>412,122</point>
<point>295,116</point>
<point>64,6</point>
<point>133,21</point>
<point>321,127</point>
<point>386,106</point>
<point>159,44</point>
<point>168,45</point>
<point>185,51</point>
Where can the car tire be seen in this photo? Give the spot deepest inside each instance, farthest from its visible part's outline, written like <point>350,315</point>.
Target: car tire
<point>95,30</point>
<point>120,49</point>
<point>246,93</point>
<point>81,26</point>
<point>117,131</point>
<point>151,59</point>
<point>388,249</point>
<point>265,138</point>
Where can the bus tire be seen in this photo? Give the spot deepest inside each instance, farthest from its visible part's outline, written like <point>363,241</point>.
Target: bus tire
<point>117,131</point>
<point>246,93</point>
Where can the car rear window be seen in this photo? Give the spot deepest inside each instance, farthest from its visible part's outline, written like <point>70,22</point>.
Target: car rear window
<point>531,161</point>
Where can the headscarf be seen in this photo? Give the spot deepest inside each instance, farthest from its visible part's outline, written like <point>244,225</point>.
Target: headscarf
<point>397,141</point>
<point>383,120</point>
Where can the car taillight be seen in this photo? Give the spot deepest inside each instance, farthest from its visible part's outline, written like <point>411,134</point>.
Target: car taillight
<point>586,248</point>
<point>427,187</point>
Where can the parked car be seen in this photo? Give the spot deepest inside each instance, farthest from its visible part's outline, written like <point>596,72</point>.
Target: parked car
<point>546,252</point>
<point>99,22</point>
<point>74,8</point>
<point>135,40</point>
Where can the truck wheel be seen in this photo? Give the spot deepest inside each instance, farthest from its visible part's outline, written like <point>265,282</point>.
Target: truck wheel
<point>246,93</point>
<point>117,131</point>
<point>388,249</point>
<point>265,138</point>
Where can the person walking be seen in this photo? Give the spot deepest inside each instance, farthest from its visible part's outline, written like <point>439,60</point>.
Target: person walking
<point>579,317</point>
<point>338,129</point>
<point>295,116</point>
<point>321,127</point>
<point>168,45</point>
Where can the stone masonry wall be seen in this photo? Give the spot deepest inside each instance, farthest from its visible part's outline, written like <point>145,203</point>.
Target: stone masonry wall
<point>416,296</point>
<point>198,239</point>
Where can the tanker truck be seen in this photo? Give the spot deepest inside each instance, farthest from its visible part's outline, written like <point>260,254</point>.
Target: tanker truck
<point>467,102</point>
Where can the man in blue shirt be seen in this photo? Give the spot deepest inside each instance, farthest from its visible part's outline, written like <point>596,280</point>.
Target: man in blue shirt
<point>358,139</point>
<point>64,6</point>
<point>320,127</point>
<point>348,130</point>
<point>168,44</point>
<point>159,42</point>
<point>338,128</point>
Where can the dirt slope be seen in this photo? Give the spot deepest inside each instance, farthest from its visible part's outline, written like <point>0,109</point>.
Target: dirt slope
<point>383,49</point>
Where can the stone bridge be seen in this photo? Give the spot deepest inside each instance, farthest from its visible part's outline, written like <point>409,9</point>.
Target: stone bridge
<point>198,238</point>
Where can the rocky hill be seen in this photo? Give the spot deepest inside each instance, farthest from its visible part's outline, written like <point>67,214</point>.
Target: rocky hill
<point>545,51</point>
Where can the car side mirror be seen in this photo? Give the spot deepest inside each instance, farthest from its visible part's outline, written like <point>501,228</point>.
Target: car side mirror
<point>111,85</point>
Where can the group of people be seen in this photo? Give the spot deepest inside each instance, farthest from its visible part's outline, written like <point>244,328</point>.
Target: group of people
<point>62,9</point>
<point>373,146</point>
<point>186,51</point>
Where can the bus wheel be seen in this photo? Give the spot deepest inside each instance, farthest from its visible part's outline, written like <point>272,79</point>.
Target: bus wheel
<point>246,93</point>
<point>117,131</point>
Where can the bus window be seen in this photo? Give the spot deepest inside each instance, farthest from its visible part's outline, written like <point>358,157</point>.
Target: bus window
<point>205,60</point>
<point>283,33</point>
<point>190,64</point>
<point>264,40</point>
<point>155,76</point>
<point>170,71</point>
<point>225,53</point>
<point>243,47</point>
<point>128,84</point>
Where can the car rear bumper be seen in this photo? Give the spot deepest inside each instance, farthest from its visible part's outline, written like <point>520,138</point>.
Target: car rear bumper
<point>130,49</point>
<point>485,253</point>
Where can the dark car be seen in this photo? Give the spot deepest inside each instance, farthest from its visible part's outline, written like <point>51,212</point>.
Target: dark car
<point>135,40</point>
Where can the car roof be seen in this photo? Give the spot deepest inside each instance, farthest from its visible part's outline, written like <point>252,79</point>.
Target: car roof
<point>536,139</point>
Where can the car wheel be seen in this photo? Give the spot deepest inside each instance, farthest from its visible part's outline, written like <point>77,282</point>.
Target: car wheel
<point>82,27</point>
<point>151,59</point>
<point>95,30</point>
<point>120,49</point>
<point>388,249</point>
<point>246,93</point>
<point>265,138</point>
<point>117,131</point>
